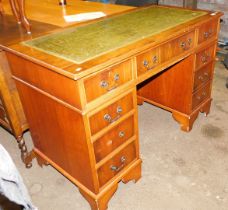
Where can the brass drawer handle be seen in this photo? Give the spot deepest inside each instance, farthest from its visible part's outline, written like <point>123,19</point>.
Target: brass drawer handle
<point>109,119</point>
<point>205,58</point>
<point>154,61</point>
<point>105,84</point>
<point>208,33</point>
<point>204,76</point>
<point>185,45</point>
<point>118,168</point>
<point>202,95</point>
<point>201,77</point>
<point>121,134</point>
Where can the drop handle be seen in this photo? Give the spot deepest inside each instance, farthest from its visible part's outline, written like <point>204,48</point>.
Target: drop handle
<point>205,58</point>
<point>200,77</point>
<point>208,33</point>
<point>105,84</point>
<point>118,168</point>
<point>154,61</point>
<point>204,76</point>
<point>109,119</point>
<point>202,95</point>
<point>185,45</point>
<point>121,134</point>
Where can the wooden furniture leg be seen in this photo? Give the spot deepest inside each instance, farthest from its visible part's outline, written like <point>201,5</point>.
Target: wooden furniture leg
<point>185,121</point>
<point>140,101</point>
<point>15,10</point>
<point>23,18</point>
<point>1,8</point>
<point>134,174</point>
<point>206,107</point>
<point>100,202</point>
<point>25,155</point>
<point>18,9</point>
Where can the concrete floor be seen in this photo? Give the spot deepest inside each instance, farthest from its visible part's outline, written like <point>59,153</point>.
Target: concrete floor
<point>181,171</point>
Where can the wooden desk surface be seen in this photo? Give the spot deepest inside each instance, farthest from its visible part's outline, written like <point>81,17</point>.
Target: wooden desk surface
<point>80,44</point>
<point>75,71</point>
<point>50,12</point>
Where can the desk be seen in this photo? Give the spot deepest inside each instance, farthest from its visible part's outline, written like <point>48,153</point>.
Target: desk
<point>82,106</point>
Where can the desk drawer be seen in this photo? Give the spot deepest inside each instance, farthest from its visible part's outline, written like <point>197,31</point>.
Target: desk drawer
<point>107,80</point>
<point>117,164</point>
<point>200,95</point>
<point>147,61</point>
<point>207,31</point>
<point>203,75</point>
<point>177,46</point>
<point>205,56</point>
<point>111,114</point>
<point>114,138</point>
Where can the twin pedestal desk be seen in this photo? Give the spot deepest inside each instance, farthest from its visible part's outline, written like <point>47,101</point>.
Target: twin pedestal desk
<point>80,88</point>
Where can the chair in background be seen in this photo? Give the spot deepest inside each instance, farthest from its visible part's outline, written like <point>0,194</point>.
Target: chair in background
<point>18,10</point>
<point>1,8</point>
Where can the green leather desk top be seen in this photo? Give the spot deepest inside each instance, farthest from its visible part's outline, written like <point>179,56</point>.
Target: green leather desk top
<point>81,43</point>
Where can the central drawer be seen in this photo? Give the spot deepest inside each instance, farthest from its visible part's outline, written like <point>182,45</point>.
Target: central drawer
<point>111,113</point>
<point>147,61</point>
<point>115,165</point>
<point>114,138</point>
<point>177,47</point>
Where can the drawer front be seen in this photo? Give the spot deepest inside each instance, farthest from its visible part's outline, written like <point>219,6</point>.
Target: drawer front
<point>207,31</point>
<point>205,56</point>
<point>200,95</point>
<point>177,46</point>
<point>108,80</point>
<point>114,138</point>
<point>111,113</point>
<point>147,61</point>
<point>116,164</point>
<point>203,75</point>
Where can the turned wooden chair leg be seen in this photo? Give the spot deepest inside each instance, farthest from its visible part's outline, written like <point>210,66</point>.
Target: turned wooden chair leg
<point>1,8</point>
<point>23,18</point>
<point>25,156</point>
<point>15,11</point>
